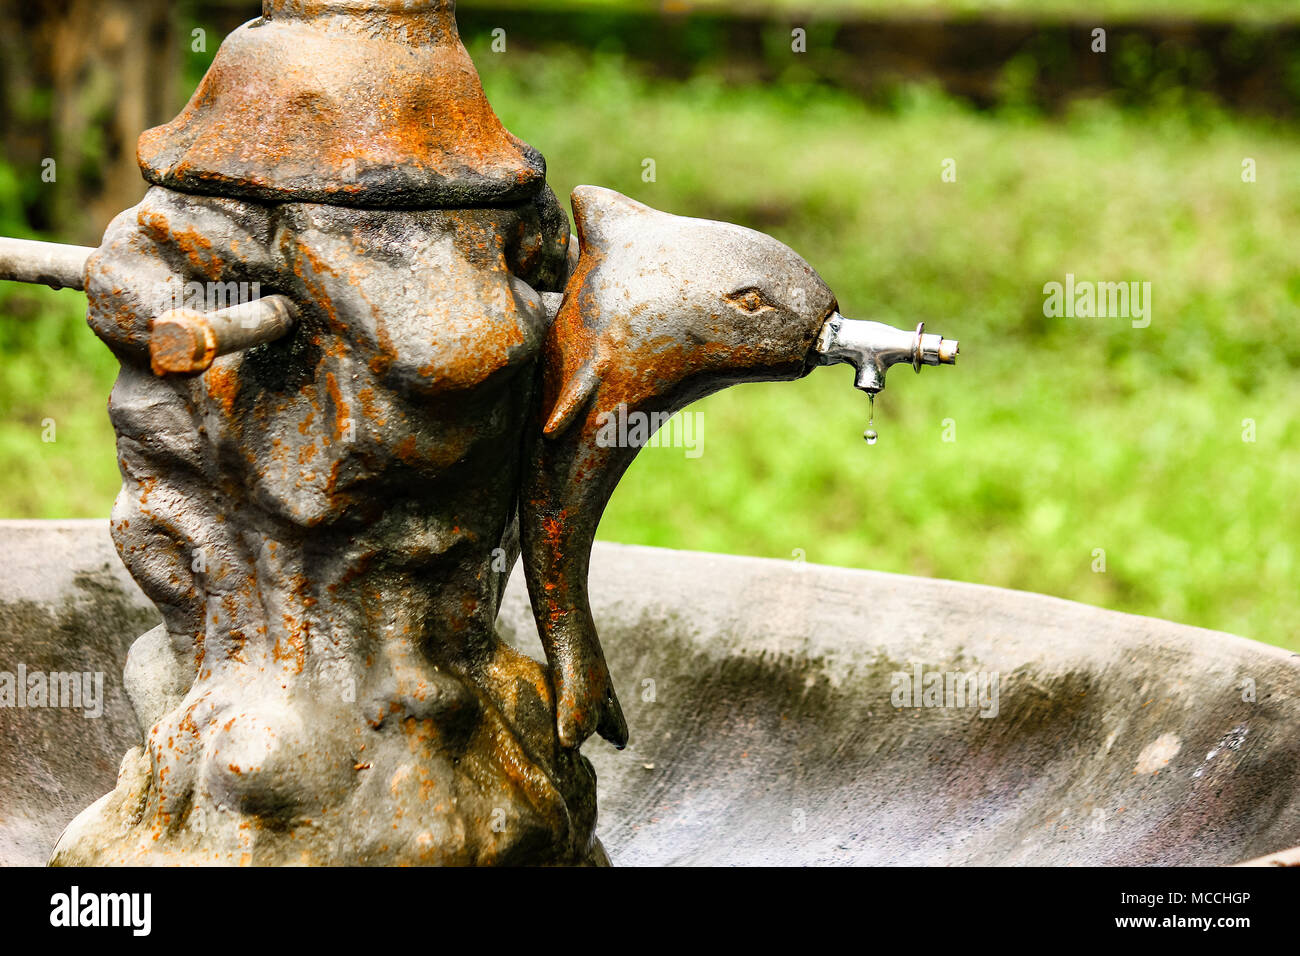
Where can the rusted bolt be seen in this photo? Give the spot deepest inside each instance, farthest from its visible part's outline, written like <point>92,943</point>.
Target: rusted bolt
<point>185,342</point>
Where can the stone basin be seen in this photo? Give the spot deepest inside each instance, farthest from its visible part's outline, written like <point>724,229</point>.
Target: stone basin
<point>761,697</point>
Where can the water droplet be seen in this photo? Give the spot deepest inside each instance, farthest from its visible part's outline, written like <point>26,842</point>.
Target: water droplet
<point>870,435</point>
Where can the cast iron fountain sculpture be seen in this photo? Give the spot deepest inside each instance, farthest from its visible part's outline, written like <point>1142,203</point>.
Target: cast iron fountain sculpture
<point>325,488</point>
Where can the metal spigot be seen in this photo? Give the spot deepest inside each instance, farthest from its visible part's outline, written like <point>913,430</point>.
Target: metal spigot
<point>872,347</point>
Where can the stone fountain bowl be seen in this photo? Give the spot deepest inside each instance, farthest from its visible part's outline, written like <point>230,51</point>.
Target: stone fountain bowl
<point>761,697</point>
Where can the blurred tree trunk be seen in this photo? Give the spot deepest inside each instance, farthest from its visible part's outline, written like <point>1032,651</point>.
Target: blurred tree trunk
<point>81,79</point>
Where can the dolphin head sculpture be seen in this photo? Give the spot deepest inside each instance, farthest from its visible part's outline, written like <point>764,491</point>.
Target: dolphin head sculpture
<point>659,311</point>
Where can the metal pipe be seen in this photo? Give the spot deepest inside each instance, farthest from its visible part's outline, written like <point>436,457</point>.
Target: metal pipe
<point>185,342</point>
<point>872,347</point>
<point>53,264</point>
<point>181,342</point>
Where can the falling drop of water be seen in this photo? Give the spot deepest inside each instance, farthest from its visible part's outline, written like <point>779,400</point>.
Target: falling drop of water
<point>871,436</point>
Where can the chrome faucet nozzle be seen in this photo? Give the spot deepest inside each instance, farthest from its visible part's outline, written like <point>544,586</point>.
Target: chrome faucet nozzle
<point>872,347</point>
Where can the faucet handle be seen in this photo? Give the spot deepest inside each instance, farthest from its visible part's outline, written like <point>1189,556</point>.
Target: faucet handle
<point>932,349</point>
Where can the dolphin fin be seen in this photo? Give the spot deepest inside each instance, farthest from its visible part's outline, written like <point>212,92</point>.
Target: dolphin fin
<point>576,395</point>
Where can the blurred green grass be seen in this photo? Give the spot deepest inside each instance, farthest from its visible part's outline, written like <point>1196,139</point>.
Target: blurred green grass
<point>56,445</point>
<point>1071,434</point>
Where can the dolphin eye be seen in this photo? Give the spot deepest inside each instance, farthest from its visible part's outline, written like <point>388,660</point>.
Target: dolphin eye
<point>749,300</point>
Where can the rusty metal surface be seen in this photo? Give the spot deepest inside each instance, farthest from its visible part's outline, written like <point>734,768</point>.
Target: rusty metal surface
<point>317,521</point>
<point>326,522</point>
<point>184,341</point>
<point>325,517</point>
<point>372,103</point>
<point>661,311</point>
